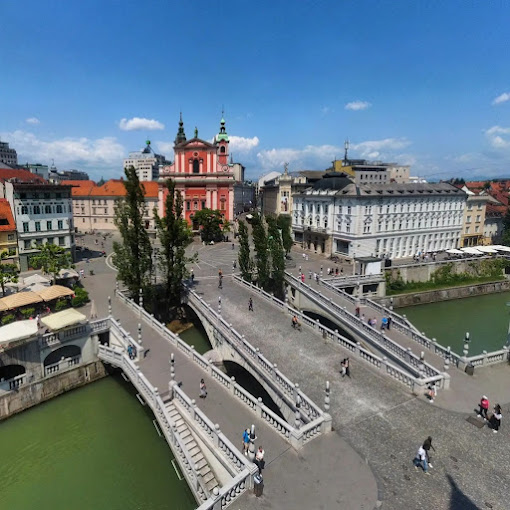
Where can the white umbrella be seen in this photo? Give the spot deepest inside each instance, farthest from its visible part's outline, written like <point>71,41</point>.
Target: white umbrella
<point>35,278</point>
<point>486,249</point>
<point>455,251</point>
<point>472,251</point>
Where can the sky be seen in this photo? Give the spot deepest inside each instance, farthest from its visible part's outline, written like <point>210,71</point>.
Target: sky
<point>425,83</point>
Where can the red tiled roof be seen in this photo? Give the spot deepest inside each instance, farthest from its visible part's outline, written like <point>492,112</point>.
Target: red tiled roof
<point>20,175</point>
<point>116,188</point>
<point>80,188</point>
<point>6,214</point>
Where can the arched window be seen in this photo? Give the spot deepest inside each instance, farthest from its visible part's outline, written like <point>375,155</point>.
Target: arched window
<point>196,166</point>
<point>47,209</point>
<point>59,209</point>
<point>222,149</point>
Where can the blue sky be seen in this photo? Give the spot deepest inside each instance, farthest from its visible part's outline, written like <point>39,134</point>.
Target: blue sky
<point>425,83</point>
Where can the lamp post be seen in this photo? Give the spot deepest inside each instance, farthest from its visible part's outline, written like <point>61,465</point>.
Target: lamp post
<point>466,344</point>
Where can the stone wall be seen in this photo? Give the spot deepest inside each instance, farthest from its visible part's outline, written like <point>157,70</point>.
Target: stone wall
<point>35,393</point>
<point>422,272</point>
<point>433,296</point>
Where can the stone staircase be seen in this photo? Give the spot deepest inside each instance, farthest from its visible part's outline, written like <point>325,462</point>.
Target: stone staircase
<point>192,447</point>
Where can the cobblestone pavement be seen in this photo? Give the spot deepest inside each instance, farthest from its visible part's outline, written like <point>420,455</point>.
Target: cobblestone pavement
<point>379,418</point>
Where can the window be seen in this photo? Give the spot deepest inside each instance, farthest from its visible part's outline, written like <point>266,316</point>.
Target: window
<point>46,196</point>
<point>37,209</point>
<point>58,195</point>
<point>83,210</point>
<point>468,219</point>
<point>27,244</point>
<point>59,209</point>
<point>25,227</point>
<point>477,228</point>
<point>106,210</point>
<point>222,149</point>
<point>49,225</point>
<point>37,226</point>
<point>62,241</point>
<point>477,218</point>
<point>188,206</point>
<point>10,237</point>
<point>47,209</point>
<point>12,250</point>
<point>60,224</point>
<point>95,220</point>
<point>203,204</point>
<point>24,209</point>
<point>348,209</point>
<point>196,166</point>
<point>195,206</point>
<point>83,220</point>
<point>467,230</point>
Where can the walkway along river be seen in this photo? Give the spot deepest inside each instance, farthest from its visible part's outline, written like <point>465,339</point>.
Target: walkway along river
<point>94,447</point>
<point>484,317</point>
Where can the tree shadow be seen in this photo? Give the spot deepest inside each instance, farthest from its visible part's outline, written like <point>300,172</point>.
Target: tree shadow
<point>458,500</point>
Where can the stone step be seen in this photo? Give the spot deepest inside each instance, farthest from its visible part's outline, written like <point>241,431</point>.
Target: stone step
<point>204,470</point>
<point>208,477</point>
<point>212,484</point>
<point>181,427</point>
<point>194,450</point>
<point>201,464</point>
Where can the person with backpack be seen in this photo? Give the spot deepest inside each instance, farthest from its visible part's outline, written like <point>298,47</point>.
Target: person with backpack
<point>246,441</point>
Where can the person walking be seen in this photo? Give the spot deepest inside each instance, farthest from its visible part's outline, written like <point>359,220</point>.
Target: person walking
<point>250,305</point>
<point>310,274</point>
<point>259,459</point>
<point>192,275</point>
<point>421,460</point>
<point>203,389</point>
<point>495,419</point>
<point>357,311</point>
<point>384,323</point>
<point>388,323</point>
<point>344,370</point>
<point>246,441</point>
<point>484,407</point>
<point>427,445</point>
<point>302,277</point>
<point>234,265</point>
<point>220,282</point>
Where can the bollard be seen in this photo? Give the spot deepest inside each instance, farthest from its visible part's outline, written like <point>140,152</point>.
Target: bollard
<point>251,448</point>
<point>109,306</point>
<point>326,397</point>
<point>172,367</point>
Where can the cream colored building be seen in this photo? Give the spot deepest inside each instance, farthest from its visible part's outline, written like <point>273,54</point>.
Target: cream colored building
<point>473,222</point>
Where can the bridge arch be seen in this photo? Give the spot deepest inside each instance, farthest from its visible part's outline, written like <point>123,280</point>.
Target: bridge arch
<point>67,351</point>
<point>10,371</point>
<point>333,325</point>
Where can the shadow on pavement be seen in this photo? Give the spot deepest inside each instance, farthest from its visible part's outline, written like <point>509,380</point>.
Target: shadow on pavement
<point>458,500</point>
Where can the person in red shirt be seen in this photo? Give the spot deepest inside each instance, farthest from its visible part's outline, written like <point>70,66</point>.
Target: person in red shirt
<point>484,407</point>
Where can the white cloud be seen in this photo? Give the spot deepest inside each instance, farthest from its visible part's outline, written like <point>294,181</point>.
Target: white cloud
<point>242,144</point>
<point>165,148</point>
<point>67,152</point>
<point>312,156</point>
<point>357,105</point>
<point>376,149</point>
<point>499,137</point>
<point>503,98</point>
<point>138,123</point>
<point>33,120</point>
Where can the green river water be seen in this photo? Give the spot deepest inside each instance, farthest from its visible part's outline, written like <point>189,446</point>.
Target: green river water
<point>485,317</point>
<point>92,448</point>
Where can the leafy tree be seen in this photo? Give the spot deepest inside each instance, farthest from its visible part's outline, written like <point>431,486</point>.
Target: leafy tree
<point>277,257</point>
<point>8,272</point>
<point>51,259</point>
<point>212,224</point>
<point>245,262</point>
<point>174,235</point>
<point>506,228</point>
<point>284,222</point>
<point>260,242</point>
<point>133,255</point>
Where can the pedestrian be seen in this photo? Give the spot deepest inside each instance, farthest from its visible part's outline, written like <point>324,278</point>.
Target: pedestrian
<point>302,277</point>
<point>259,459</point>
<point>220,283</point>
<point>342,368</point>
<point>384,322</point>
<point>307,258</point>
<point>484,407</point>
<point>310,274</point>
<point>341,270</point>
<point>388,323</point>
<point>345,371</point>
<point>336,271</point>
<point>220,273</point>
<point>203,389</point>
<point>246,441</point>
<point>421,460</point>
<point>427,445</point>
<point>300,270</point>
<point>495,419</point>
<point>357,311</point>
<point>234,265</point>
<point>329,271</point>
<point>250,305</point>
<point>38,320</point>
<point>362,317</point>
<point>192,276</point>
<point>233,246</point>
<point>82,273</point>
<point>304,255</point>
<point>432,391</point>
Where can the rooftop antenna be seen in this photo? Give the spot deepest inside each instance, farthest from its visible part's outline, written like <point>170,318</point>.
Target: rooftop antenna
<point>346,150</point>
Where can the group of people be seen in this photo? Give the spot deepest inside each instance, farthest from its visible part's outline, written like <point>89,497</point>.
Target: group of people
<point>131,352</point>
<point>372,321</point>
<point>259,456</point>
<point>494,419</point>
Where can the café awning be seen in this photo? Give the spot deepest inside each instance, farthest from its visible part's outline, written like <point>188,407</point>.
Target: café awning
<point>55,292</point>
<point>62,319</point>
<point>20,299</point>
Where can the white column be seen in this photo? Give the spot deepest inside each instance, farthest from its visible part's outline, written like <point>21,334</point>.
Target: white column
<point>215,199</point>
<point>209,160</point>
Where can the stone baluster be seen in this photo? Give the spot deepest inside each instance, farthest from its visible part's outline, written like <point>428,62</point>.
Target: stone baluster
<point>109,306</point>
<point>447,359</point>
<point>217,433</point>
<point>327,397</point>
<point>193,409</point>
<point>140,301</point>
<point>233,385</point>
<point>466,345</point>
<point>297,422</point>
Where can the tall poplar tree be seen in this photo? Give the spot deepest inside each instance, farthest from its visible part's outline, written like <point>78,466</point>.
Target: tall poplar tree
<point>285,225</point>
<point>174,235</point>
<point>245,262</point>
<point>261,252</point>
<point>133,255</point>
<point>277,257</point>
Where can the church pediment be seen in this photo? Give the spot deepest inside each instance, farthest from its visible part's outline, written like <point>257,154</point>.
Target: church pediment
<point>195,143</point>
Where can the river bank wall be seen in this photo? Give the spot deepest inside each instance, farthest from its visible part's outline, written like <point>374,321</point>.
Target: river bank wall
<point>434,296</point>
<point>35,393</point>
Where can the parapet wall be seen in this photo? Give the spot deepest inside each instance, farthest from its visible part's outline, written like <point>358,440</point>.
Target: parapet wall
<point>433,296</point>
<point>35,393</point>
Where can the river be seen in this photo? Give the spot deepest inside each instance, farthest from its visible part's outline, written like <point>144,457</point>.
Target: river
<point>484,317</point>
<point>94,447</point>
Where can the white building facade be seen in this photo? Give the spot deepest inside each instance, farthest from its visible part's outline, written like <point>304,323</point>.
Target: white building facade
<point>146,163</point>
<point>43,214</point>
<point>395,220</point>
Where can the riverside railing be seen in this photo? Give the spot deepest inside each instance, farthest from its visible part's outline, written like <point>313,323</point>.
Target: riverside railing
<point>414,382</point>
<point>405,357</point>
<point>285,389</point>
<point>236,464</point>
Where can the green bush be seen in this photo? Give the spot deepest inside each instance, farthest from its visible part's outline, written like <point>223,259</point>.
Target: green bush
<point>28,312</point>
<point>81,297</point>
<point>7,319</point>
<point>61,304</point>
